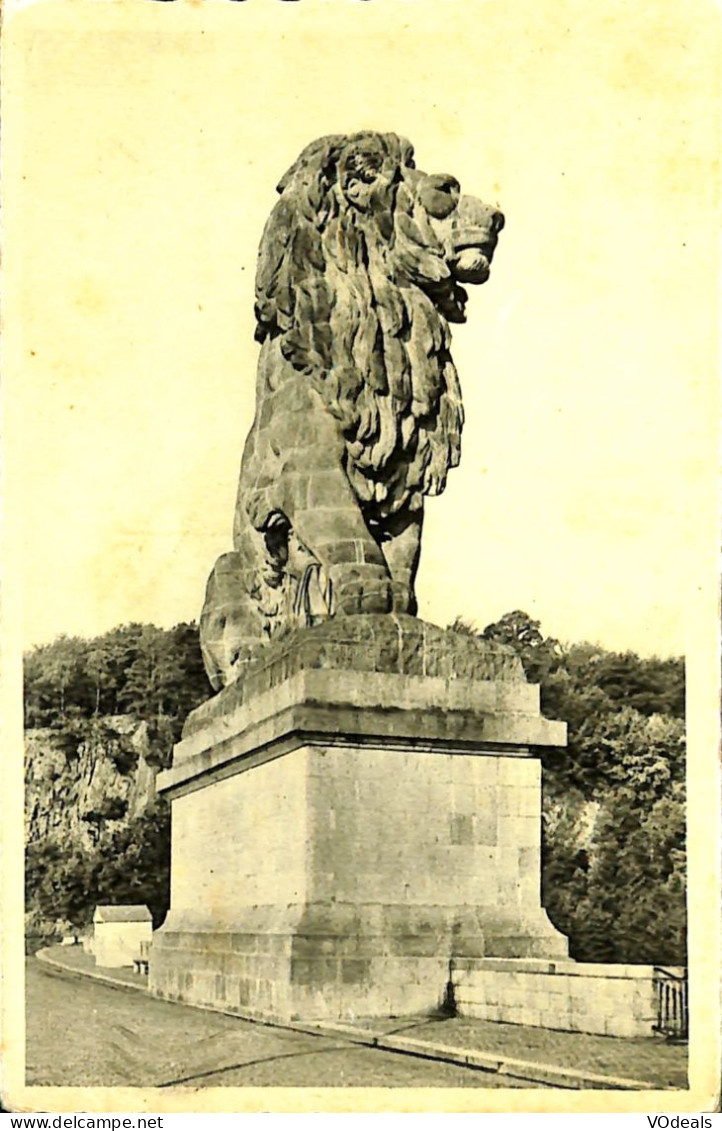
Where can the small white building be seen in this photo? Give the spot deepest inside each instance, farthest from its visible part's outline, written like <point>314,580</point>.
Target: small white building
<point>118,933</point>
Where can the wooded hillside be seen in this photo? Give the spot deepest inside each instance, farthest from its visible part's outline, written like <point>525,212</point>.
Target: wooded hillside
<point>102,716</point>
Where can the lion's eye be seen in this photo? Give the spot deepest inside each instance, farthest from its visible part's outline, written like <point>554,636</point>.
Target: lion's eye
<point>439,194</point>
<point>366,175</point>
<point>354,188</point>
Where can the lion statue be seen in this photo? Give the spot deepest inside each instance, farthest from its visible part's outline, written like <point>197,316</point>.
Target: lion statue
<point>358,405</point>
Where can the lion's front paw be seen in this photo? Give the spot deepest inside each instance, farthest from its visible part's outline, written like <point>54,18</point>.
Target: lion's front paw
<point>362,589</point>
<point>403,598</point>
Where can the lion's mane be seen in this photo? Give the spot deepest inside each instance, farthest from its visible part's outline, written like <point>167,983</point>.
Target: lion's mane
<point>354,297</point>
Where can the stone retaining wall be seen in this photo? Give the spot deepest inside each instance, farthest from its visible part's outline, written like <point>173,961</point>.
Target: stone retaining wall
<point>612,1000</point>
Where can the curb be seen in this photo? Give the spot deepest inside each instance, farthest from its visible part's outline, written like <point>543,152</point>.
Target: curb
<point>47,959</point>
<point>529,1070</point>
<point>496,1063</point>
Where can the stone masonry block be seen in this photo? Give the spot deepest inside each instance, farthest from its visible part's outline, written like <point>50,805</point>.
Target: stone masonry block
<point>464,798</point>
<point>521,832</point>
<point>355,969</point>
<point>513,772</point>
<point>461,829</point>
<point>509,801</point>
<point>508,891</point>
<point>314,971</point>
<point>485,829</point>
<point>342,551</point>
<point>529,887</point>
<point>467,773</point>
<point>530,801</point>
<point>530,861</point>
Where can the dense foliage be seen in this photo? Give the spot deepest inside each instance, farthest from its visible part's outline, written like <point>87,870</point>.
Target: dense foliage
<point>151,673</point>
<point>81,690</point>
<point>64,883</point>
<point>614,824</point>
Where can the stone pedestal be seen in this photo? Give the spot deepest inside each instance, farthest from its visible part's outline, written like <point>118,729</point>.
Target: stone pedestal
<point>339,835</point>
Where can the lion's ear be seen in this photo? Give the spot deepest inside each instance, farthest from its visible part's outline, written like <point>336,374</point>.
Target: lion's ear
<point>402,149</point>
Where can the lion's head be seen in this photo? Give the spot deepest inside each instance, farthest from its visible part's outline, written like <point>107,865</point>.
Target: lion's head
<point>360,271</point>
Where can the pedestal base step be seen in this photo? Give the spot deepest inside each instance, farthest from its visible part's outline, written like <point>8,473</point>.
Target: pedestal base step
<point>333,961</point>
<point>262,976</point>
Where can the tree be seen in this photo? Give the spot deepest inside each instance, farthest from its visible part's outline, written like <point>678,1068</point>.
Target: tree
<point>55,678</point>
<point>59,882</point>
<point>135,868</point>
<point>539,655</point>
<point>138,669</point>
<point>102,669</point>
<point>165,678</point>
<point>651,686</point>
<point>622,898</point>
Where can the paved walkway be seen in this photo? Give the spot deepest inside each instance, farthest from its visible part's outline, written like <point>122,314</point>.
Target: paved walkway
<point>80,1032</point>
<point>457,1052</point>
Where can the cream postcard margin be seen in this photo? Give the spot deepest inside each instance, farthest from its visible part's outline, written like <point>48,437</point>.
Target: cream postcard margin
<point>150,131</point>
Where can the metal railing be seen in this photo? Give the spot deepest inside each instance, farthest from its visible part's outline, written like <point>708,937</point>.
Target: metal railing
<point>672,1008</point>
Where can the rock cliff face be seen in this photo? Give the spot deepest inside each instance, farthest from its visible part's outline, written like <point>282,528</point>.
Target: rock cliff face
<point>82,786</point>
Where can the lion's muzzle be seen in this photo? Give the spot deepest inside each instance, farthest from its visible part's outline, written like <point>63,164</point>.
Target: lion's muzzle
<point>474,237</point>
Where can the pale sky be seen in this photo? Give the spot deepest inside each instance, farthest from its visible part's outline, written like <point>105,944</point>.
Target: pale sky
<point>142,145</point>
